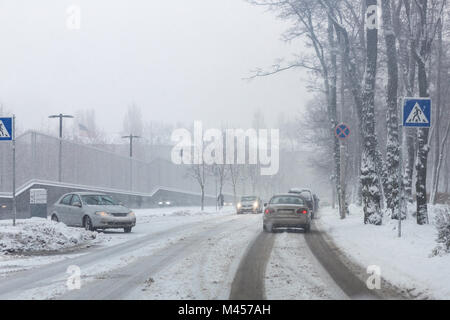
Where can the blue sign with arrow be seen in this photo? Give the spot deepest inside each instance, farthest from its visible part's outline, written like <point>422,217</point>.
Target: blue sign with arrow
<point>417,112</point>
<point>6,131</point>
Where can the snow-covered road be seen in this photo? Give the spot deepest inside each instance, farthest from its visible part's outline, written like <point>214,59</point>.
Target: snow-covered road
<point>178,253</point>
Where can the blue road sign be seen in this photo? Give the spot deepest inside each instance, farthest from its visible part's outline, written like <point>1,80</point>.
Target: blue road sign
<point>417,112</point>
<point>342,131</point>
<point>6,133</point>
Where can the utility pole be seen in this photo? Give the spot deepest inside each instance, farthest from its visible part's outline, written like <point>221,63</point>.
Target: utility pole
<point>131,137</point>
<point>60,116</point>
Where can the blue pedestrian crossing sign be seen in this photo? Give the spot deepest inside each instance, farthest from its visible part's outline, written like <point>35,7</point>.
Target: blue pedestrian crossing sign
<point>417,112</point>
<point>6,133</point>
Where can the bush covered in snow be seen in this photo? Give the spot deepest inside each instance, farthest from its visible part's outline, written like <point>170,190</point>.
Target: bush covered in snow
<point>40,235</point>
<point>442,222</point>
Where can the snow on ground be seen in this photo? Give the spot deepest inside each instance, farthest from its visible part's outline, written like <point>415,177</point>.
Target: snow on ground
<point>208,271</point>
<point>293,273</point>
<point>405,262</point>
<point>39,235</point>
<point>36,242</point>
<point>158,228</point>
<point>149,215</point>
<point>158,219</point>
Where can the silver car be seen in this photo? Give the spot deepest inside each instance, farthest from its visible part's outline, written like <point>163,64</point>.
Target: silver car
<point>288,211</point>
<point>249,204</point>
<point>92,211</point>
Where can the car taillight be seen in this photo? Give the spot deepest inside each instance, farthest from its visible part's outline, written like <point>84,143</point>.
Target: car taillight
<point>269,210</point>
<point>302,211</point>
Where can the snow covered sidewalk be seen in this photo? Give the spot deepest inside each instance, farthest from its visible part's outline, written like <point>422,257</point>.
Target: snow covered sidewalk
<point>39,235</point>
<point>405,262</point>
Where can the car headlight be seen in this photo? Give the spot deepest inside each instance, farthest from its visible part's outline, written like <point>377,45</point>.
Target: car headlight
<point>102,213</point>
<point>239,205</point>
<point>255,204</point>
<point>168,203</point>
<point>160,202</point>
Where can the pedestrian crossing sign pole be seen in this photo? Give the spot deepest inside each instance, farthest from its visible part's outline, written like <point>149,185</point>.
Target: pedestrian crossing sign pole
<point>416,114</point>
<point>7,133</point>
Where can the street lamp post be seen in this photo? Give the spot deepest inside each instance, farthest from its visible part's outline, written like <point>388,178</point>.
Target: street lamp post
<point>60,116</point>
<point>131,137</point>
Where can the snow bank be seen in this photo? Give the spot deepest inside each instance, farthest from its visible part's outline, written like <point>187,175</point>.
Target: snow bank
<point>144,215</point>
<point>38,235</point>
<point>407,262</point>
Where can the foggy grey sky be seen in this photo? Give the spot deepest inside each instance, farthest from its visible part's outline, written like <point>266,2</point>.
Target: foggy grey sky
<point>178,60</point>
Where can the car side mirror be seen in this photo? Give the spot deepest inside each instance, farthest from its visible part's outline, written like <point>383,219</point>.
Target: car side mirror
<point>77,204</point>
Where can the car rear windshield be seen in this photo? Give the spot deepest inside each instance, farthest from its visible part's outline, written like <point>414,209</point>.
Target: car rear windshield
<point>287,200</point>
<point>248,198</point>
<point>98,200</point>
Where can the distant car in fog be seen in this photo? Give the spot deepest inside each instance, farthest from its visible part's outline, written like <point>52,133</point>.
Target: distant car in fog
<point>92,211</point>
<point>249,204</point>
<point>311,199</point>
<point>165,203</point>
<point>286,211</point>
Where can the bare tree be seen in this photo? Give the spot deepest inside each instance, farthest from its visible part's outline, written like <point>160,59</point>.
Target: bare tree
<point>200,173</point>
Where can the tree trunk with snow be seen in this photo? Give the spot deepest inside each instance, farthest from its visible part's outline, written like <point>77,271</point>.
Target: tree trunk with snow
<point>393,145</point>
<point>409,79</point>
<point>437,120</point>
<point>447,174</point>
<point>369,174</point>
<point>422,133</point>
<point>332,114</point>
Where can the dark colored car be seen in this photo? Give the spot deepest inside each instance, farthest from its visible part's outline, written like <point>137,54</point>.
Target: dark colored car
<point>311,199</point>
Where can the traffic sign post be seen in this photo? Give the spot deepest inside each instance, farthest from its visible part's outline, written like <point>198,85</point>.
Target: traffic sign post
<point>8,133</point>
<point>416,114</point>
<point>342,131</point>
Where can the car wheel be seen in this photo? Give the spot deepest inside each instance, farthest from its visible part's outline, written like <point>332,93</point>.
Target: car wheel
<point>307,228</point>
<point>127,229</point>
<point>87,223</point>
<point>267,229</point>
<point>55,218</point>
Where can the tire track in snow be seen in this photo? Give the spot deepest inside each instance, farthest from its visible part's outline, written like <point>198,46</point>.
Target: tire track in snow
<point>248,283</point>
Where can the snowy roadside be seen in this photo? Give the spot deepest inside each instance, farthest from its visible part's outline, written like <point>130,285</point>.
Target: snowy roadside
<point>36,242</point>
<point>37,235</point>
<point>405,262</point>
<point>103,268</point>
